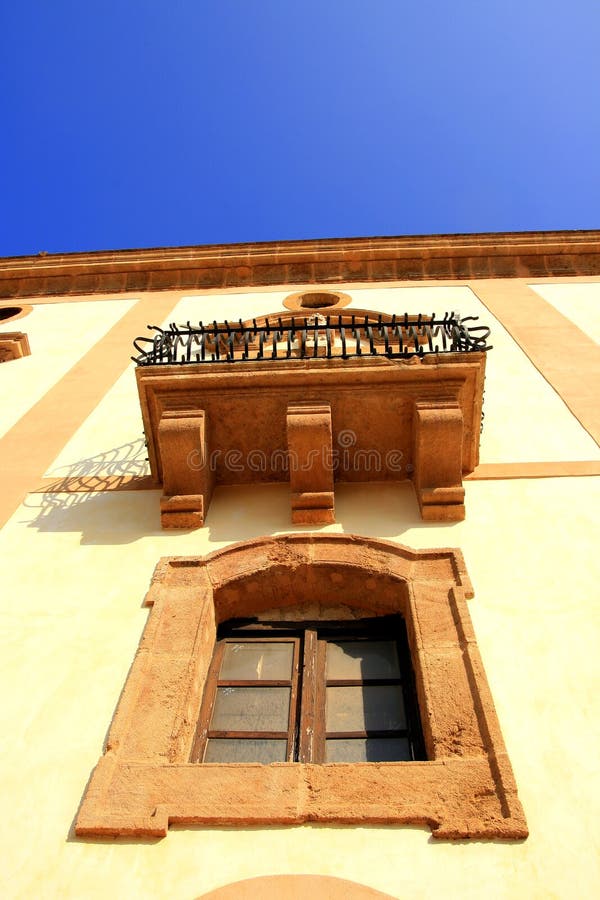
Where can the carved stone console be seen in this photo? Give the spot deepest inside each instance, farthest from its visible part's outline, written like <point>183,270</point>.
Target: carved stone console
<point>187,475</point>
<point>438,439</point>
<point>310,463</point>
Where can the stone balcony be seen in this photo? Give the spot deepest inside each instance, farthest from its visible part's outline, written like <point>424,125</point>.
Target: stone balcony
<point>313,400</point>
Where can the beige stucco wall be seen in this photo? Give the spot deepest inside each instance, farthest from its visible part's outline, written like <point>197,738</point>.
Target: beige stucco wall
<point>579,302</point>
<point>75,570</point>
<point>59,334</point>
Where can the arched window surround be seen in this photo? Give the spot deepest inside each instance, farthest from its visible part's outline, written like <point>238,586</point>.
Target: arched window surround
<point>144,781</point>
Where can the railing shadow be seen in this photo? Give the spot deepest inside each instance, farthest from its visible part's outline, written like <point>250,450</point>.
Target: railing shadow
<point>127,460</point>
<point>81,498</point>
<point>110,499</point>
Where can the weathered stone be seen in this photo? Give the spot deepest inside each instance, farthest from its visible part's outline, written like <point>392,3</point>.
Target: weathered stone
<point>145,781</point>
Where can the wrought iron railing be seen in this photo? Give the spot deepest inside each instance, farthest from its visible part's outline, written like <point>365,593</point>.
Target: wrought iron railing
<point>311,337</point>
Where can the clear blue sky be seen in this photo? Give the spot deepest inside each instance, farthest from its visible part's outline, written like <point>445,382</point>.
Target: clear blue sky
<point>138,123</point>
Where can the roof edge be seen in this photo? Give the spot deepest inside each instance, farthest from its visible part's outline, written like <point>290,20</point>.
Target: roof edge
<point>320,261</point>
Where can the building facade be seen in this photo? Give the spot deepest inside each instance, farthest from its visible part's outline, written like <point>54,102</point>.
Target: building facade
<point>377,456</point>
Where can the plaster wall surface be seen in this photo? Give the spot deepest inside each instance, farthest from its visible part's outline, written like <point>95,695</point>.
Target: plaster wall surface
<point>76,567</point>
<point>111,440</point>
<point>71,624</point>
<point>59,334</point>
<point>578,302</point>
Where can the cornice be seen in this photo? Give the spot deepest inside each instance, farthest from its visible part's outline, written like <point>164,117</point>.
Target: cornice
<point>411,258</point>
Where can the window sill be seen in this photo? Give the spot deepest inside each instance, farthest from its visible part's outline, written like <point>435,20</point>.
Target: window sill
<point>452,797</point>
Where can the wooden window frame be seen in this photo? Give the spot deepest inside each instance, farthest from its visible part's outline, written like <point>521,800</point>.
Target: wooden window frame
<point>213,682</point>
<point>145,781</point>
<point>306,735</point>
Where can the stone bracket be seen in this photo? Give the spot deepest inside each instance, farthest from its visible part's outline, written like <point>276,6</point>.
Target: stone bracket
<point>310,458</point>
<point>438,447</point>
<point>13,345</point>
<point>188,480</point>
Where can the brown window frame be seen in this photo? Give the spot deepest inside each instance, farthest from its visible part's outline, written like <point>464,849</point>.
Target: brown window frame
<point>306,734</point>
<point>205,733</point>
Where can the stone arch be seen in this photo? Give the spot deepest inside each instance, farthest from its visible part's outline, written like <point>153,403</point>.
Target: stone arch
<point>336,569</point>
<point>295,887</point>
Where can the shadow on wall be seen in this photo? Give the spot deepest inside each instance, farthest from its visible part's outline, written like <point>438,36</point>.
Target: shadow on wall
<point>99,472</point>
<point>385,510</point>
<point>102,517</point>
<point>96,497</point>
<point>104,514</point>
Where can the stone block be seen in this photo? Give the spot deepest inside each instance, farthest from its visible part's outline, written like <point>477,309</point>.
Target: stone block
<point>188,479</point>
<point>309,436</point>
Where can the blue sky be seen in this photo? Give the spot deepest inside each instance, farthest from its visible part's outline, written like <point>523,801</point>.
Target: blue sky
<point>137,123</point>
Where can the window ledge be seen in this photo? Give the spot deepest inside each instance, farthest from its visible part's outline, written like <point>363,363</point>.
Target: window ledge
<point>452,797</point>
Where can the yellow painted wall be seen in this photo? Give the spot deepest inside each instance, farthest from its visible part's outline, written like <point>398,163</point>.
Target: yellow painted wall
<point>579,302</point>
<point>59,334</point>
<point>75,570</point>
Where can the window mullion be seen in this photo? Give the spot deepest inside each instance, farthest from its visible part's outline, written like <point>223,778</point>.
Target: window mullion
<point>318,755</point>
<point>294,697</point>
<point>309,718</point>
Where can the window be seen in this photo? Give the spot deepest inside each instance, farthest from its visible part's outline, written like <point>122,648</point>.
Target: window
<point>146,779</point>
<point>310,692</point>
<point>10,312</point>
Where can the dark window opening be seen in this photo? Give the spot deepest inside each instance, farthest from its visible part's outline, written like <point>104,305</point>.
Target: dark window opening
<point>9,312</point>
<point>310,692</point>
<point>318,300</point>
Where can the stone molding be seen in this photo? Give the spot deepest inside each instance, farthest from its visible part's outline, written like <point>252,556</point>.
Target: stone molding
<point>144,781</point>
<point>319,262</point>
<point>438,442</point>
<point>187,489</point>
<point>13,345</point>
<point>309,439</point>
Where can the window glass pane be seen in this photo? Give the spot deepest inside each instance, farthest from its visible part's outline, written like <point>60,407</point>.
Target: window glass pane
<point>251,709</point>
<point>237,750</point>
<point>362,659</point>
<point>364,708</point>
<point>367,750</point>
<point>263,661</point>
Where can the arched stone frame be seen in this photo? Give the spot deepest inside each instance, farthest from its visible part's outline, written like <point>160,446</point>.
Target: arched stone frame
<point>10,312</point>
<point>144,781</point>
<point>295,887</point>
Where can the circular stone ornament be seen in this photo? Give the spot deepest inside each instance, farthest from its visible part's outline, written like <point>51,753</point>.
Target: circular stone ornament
<point>8,313</point>
<point>317,300</point>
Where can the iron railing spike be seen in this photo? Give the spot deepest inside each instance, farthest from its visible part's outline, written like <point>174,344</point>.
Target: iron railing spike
<point>417,335</point>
